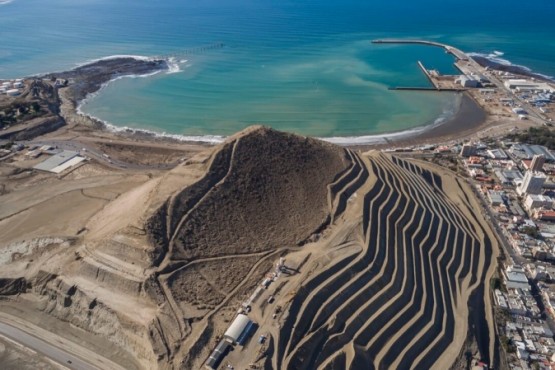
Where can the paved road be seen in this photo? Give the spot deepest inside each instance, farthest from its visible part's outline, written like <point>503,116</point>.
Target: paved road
<point>45,348</point>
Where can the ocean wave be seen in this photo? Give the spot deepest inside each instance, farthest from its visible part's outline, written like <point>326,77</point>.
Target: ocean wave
<point>209,139</point>
<point>448,113</point>
<point>118,56</point>
<point>5,2</point>
<point>495,57</point>
<point>174,65</point>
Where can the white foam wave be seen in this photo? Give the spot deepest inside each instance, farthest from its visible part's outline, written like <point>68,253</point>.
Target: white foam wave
<point>495,58</point>
<point>5,2</point>
<point>118,56</point>
<point>372,139</point>
<point>209,139</point>
<point>498,53</point>
<point>173,65</point>
<point>448,113</point>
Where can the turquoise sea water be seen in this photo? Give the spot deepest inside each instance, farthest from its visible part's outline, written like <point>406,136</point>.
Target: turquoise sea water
<point>302,66</point>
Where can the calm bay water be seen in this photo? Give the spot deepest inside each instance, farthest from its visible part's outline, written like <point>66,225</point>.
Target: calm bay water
<point>306,67</point>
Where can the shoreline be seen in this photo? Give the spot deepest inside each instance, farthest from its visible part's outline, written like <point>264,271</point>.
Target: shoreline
<point>423,131</point>
<point>88,79</point>
<point>469,114</point>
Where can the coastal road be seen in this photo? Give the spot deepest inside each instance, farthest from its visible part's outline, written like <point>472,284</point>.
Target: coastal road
<point>68,354</point>
<point>54,353</point>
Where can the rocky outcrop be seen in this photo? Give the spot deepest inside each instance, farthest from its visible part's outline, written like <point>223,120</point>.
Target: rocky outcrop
<point>89,78</point>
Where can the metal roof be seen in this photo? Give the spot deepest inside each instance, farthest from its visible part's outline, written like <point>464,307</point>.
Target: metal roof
<point>237,327</point>
<point>56,160</point>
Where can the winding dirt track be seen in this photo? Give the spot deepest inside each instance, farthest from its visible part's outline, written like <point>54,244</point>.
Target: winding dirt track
<point>402,302</point>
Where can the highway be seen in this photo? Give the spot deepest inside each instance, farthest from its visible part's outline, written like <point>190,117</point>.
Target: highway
<point>52,352</point>
<point>69,354</point>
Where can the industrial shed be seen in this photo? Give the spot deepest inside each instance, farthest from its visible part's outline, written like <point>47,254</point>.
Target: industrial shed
<point>237,328</point>
<point>59,162</point>
<point>218,354</point>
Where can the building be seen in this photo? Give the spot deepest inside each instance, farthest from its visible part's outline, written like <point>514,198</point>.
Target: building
<point>544,215</point>
<point>509,177</point>
<point>218,354</point>
<point>534,201</point>
<point>525,151</point>
<point>522,85</point>
<point>13,92</point>
<point>468,150</point>
<point>238,328</point>
<point>60,161</point>
<point>481,78</point>
<point>500,299</point>
<point>487,91</point>
<point>537,162</point>
<point>495,198</point>
<point>515,278</point>
<point>468,81</point>
<point>532,183</point>
<point>497,154</point>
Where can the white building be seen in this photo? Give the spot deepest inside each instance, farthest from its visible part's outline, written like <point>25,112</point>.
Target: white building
<point>497,154</point>
<point>522,85</point>
<point>515,278</point>
<point>534,201</point>
<point>532,183</point>
<point>237,328</point>
<point>468,81</point>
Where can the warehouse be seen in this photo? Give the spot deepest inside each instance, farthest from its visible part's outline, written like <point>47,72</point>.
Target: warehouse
<point>59,162</point>
<point>237,328</point>
<point>218,354</point>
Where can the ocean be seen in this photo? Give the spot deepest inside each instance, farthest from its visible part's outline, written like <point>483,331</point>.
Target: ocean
<point>301,66</point>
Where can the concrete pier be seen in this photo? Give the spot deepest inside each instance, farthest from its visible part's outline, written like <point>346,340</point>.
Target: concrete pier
<point>427,74</point>
<point>460,55</point>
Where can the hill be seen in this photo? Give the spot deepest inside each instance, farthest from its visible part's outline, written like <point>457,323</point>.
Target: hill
<point>344,260</point>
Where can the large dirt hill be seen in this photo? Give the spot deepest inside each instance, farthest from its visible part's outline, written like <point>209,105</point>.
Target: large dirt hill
<point>149,270</point>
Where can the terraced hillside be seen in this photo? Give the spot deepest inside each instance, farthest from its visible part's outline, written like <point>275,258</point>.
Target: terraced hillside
<point>401,302</point>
